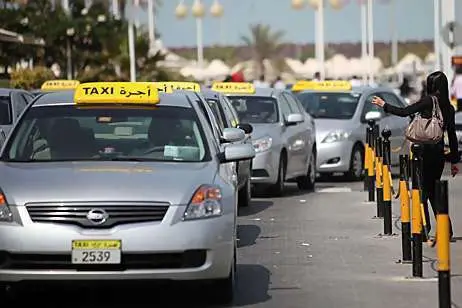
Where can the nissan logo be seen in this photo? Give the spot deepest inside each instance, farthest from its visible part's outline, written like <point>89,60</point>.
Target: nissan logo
<point>97,216</point>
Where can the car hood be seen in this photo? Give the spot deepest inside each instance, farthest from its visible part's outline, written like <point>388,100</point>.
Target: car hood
<point>325,126</point>
<point>263,130</point>
<point>103,181</point>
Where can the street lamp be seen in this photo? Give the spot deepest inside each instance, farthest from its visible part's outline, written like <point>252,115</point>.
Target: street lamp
<point>217,11</point>
<point>70,32</point>
<point>318,6</point>
<point>198,11</point>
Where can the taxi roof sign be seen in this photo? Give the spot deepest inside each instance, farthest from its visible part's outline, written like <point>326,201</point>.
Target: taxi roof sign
<point>334,85</point>
<point>234,87</point>
<point>130,93</point>
<point>170,86</point>
<point>59,85</point>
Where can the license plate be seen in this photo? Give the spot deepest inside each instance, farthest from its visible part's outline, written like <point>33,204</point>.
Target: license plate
<point>96,251</point>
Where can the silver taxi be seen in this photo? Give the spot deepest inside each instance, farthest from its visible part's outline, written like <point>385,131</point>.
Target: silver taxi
<point>341,113</point>
<point>87,195</point>
<point>283,135</point>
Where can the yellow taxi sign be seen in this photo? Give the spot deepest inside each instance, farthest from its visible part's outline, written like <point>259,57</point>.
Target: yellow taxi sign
<point>137,93</point>
<point>57,85</point>
<point>234,87</point>
<point>334,85</point>
<point>170,86</point>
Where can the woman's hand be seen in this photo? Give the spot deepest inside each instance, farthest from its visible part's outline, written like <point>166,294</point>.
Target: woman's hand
<point>378,101</point>
<point>454,169</point>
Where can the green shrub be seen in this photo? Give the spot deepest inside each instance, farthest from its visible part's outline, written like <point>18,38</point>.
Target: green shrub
<point>30,79</point>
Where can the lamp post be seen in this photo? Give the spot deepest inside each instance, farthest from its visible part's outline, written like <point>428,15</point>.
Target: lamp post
<point>131,47</point>
<point>318,6</point>
<point>198,11</point>
<point>363,6</point>
<point>217,11</point>
<point>370,33</point>
<point>437,30</point>
<point>70,32</point>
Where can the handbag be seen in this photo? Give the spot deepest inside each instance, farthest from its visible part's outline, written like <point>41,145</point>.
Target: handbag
<point>422,130</point>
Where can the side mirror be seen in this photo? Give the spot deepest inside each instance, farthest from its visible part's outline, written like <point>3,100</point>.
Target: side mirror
<point>232,135</point>
<point>237,152</point>
<point>294,119</point>
<point>247,128</point>
<point>373,116</point>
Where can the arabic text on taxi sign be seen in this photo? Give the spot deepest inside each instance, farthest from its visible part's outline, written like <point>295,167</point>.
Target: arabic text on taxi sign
<point>60,84</point>
<point>333,85</point>
<point>144,93</point>
<point>234,87</point>
<point>170,86</point>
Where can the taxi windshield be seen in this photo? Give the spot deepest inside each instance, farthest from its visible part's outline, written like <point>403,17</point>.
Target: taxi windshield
<point>68,133</point>
<point>254,109</point>
<point>341,106</point>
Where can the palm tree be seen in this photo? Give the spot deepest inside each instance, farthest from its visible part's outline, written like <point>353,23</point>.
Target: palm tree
<point>265,44</point>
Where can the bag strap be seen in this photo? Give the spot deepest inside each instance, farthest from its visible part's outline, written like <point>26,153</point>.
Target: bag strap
<point>436,110</point>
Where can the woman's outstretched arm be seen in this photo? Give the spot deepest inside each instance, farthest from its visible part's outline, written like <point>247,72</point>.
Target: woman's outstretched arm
<point>425,103</point>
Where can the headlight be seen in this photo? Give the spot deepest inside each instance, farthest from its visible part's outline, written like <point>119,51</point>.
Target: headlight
<point>262,144</point>
<point>5,213</point>
<point>205,203</point>
<point>336,136</point>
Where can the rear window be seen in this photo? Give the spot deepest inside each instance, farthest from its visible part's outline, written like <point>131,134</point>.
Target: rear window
<point>5,111</point>
<point>255,109</point>
<point>67,133</point>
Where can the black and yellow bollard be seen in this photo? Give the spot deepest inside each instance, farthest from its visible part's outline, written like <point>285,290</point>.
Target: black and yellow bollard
<point>370,177</point>
<point>417,267</point>
<point>443,249</point>
<point>378,176</point>
<point>404,199</point>
<point>366,160</point>
<point>386,179</point>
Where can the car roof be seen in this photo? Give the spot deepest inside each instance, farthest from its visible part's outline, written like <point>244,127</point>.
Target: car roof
<point>265,92</point>
<point>358,90</point>
<point>175,99</point>
<point>8,91</point>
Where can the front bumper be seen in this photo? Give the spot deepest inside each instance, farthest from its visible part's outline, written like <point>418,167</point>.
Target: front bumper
<point>334,157</point>
<point>169,250</point>
<point>265,166</point>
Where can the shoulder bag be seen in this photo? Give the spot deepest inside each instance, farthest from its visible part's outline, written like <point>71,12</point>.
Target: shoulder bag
<point>422,130</point>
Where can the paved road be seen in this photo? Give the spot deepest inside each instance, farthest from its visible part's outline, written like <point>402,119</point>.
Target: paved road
<point>312,250</point>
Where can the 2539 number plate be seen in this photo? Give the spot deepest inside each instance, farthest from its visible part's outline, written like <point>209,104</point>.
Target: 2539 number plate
<point>96,251</point>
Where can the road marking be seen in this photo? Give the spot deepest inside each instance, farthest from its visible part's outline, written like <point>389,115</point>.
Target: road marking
<point>334,190</point>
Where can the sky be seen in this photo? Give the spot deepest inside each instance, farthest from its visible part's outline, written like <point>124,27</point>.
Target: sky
<point>413,20</point>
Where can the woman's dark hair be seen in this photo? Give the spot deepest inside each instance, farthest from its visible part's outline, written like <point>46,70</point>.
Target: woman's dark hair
<point>438,85</point>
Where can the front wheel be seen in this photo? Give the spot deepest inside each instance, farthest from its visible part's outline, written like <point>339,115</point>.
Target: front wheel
<point>355,172</point>
<point>308,181</point>
<point>223,289</point>
<point>277,189</point>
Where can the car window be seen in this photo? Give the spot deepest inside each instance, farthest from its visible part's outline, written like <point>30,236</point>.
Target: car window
<point>20,103</point>
<point>337,105</point>
<point>255,109</point>
<point>285,108</point>
<point>67,133</point>
<point>392,99</point>
<point>6,114</point>
<point>233,113</point>
<point>217,112</point>
<point>294,107</point>
<point>211,119</point>
<point>368,106</point>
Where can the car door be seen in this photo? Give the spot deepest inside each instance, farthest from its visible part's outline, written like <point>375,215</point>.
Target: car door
<point>301,145</point>
<point>397,125</point>
<point>289,138</point>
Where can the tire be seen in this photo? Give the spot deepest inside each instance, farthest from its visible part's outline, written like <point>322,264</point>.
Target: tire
<point>355,173</point>
<point>245,195</point>
<point>308,181</point>
<point>223,289</point>
<point>277,190</point>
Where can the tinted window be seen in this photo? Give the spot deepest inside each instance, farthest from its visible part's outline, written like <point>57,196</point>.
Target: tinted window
<point>391,99</point>
<point>5,111</point>
<point>294,108</point>
<point>66,133</point>
<point>330,105</point>
<point>217,112</point>
<point>254,109</point>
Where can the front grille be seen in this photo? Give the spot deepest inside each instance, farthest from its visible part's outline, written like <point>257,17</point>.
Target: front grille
<point>116,213</point>
<point>129,261</point>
